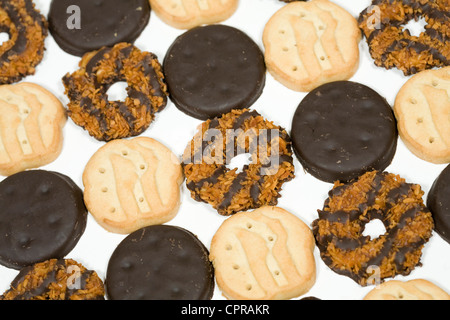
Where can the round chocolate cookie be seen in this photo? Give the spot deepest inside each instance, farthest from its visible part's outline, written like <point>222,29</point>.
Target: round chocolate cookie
<point>213,69</point>
<point>160,263</point>
<point>86,25</point>
<point>43,216</point>
<point>56,279</point>
<point>342,129</point>
<point>438,201</point>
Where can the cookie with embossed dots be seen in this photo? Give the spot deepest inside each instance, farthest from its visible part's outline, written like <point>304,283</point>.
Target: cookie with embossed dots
<point>422,108</point>
<point>133,183</point>
<point>311,43</point>
<point>266,254</point>
<point>417,289</point>
<point>187,14</point>
<point>31,127</point>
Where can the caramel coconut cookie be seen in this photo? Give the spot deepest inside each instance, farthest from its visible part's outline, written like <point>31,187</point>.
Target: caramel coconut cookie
<point>417,289</point>
<point>56,279</point>
<point>132,183</point>
<point>87,88</point>
<point>27,30</point>
<point>265,254</point>
<point>187,14</point>
<point>311,43</point>
<point>375,195</point>
<point>392,46</point>
<point>31,127</point>
<point>422,107</point>
<point>218,141</point>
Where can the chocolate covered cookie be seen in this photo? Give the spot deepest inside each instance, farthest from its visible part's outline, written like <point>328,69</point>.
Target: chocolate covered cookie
<point>213,69</point>
<point>43,217</point>
<point>438,201</point>
<point>160,263</point>
<point>86,25</point>
<point>56,279</point>
<point>342,129</point>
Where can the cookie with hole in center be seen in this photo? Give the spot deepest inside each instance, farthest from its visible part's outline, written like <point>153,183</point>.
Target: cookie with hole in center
<point>422,109</point>
<point>310,43</point>
<point>266,254</point>
<point>129,184</point>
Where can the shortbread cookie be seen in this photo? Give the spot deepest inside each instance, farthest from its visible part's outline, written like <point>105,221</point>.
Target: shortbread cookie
<point>266,254</point>
<point>310,43</point>
<point>31,127</point>
<point>422,109</point>
<point>417,289</point>
<point>187,14</point>
<point>133,183</point>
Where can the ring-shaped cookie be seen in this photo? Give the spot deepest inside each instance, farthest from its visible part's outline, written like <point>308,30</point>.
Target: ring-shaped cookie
<point>27,30</point>
<point>87,88</point>
<point>339,230</point>
<point>218,141</point>
<point>391,45</point>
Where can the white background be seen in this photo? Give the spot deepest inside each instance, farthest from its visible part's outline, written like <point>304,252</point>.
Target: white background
<point>303,196</point>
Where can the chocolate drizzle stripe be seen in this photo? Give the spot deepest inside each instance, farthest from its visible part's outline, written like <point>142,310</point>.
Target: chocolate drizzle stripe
<point>235,187</point>
<point>211,179</point>
<point>42,288</point>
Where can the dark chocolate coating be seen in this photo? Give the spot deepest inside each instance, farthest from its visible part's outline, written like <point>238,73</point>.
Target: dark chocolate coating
<point>438,201</point>
<point>160,263</point>
<point>103,23</point>
<point>42,216</point>
<point>213,69</point>
<point>342,129</point>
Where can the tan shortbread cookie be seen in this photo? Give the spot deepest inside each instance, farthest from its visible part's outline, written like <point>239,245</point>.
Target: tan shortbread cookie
<point>187,14</point>
<point>311,43</point>
<point>130,184</point>
<point>422,109</point>
<point>418,289</point>
<point>31,127</point>
<point>266,254</point>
